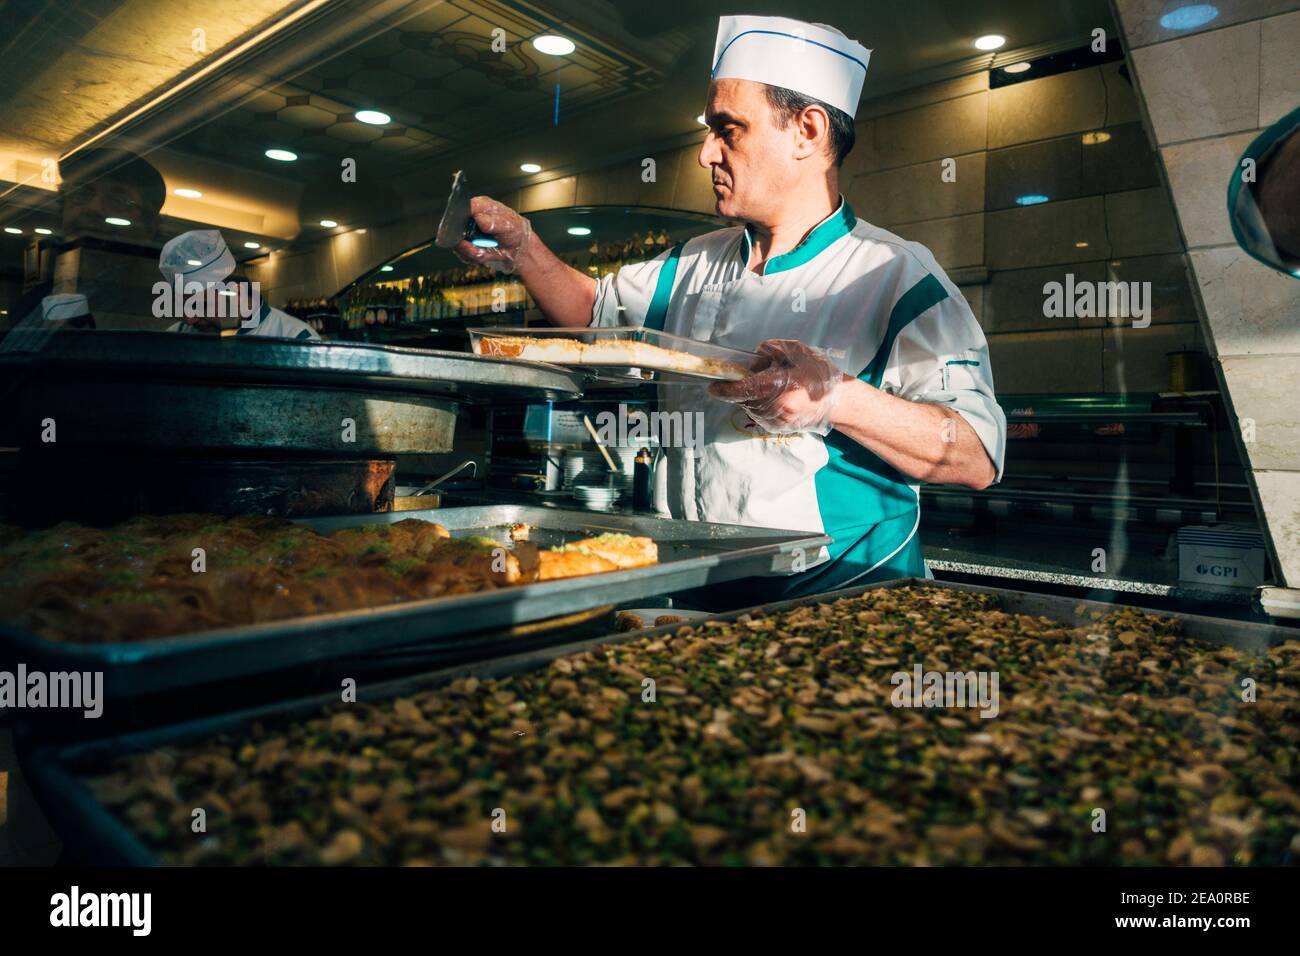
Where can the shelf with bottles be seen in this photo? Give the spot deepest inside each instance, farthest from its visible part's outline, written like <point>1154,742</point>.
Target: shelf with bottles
<point>321,314</point>
<point>606,258</point>
<point>472,291</point>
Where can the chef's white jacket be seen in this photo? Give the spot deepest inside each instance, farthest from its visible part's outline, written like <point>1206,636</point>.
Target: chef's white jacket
<point>270,322</point>
<point>884,310</point>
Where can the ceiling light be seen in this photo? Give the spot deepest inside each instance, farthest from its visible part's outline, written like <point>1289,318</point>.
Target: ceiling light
<point>579,231</point>
<point>372,117</point>
<point>1189,17</point>
<point>1096,138</point>
<point>530,168</point>
<point>1033,199</point>
<point>385,268</point>
<point>281,155</point>
<point>1081,245</point>
<point>42,231</point>
<point>328,223</point>
<point>991,42</point>
<point>117,221</point>
<point>189,193</point>
<point>252,245</point>
<point>1020,67</point>
<point>553,45</point>
<point>13,230</point>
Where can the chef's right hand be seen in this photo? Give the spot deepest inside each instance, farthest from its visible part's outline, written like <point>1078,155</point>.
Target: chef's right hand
<point>511,231</point>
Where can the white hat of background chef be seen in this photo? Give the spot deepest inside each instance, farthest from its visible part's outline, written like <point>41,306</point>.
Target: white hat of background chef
<point>64,306</point>
<point>200,255</point>
<point>809,58</point>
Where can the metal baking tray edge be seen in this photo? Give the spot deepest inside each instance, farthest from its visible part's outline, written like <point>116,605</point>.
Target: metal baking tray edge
<point>462,621</point>
<point>97,837</point>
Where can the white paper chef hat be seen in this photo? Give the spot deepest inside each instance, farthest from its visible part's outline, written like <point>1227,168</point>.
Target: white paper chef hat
<point>810,58</point>
<point>64,306</point>
<point>200,255</point>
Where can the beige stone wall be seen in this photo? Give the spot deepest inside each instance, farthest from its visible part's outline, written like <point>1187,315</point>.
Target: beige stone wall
<point>1207,94</point>
<point>1009,142</point>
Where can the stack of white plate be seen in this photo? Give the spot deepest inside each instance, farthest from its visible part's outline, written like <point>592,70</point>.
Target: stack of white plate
<point>597,497</point>
<point>590,466</point>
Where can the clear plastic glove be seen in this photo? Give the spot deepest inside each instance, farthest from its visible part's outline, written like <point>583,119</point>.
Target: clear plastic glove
<point>795,391</point>
<point>511,231</point>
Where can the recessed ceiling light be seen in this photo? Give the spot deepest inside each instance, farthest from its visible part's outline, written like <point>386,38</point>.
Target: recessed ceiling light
<point>1189,17</point>
<point>42,231</point>
<point>1020,67</point>
<point>328,223</point>
<point>117,221</point>
<point>530,167</point>
<point>13,230</point>
<point>701,120</point>
<point>579,231</point>
<point>553,45</point>
<point>1095,138</point>
<point>252,245</point>
<point>385,268</point>
<point>281,155</point>
<point>1033,199</point>
<point>991,42</point>
<point>189,193</point>
<point>372,117</point>
<point>193,262</point>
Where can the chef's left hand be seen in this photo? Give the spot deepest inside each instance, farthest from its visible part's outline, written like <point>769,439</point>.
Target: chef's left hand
<point>794,391</point>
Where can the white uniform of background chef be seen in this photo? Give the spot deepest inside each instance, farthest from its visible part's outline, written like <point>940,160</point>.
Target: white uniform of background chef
<point>67,309</point>
<point>878,374</point>
<point>201,255</point>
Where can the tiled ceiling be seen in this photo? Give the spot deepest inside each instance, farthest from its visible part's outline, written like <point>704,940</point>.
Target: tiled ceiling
<point>438,77</point>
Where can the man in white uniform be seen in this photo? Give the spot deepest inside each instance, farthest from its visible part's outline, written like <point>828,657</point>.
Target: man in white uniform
<point>201,256</point>
<point>877,374</point>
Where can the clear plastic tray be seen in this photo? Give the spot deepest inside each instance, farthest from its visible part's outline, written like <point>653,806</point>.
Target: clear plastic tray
<point>618,353</point>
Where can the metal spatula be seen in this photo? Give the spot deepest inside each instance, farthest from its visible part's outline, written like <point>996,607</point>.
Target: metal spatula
<point>457,223</point>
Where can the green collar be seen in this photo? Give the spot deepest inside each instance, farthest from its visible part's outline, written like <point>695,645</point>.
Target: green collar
<point>835,226</point>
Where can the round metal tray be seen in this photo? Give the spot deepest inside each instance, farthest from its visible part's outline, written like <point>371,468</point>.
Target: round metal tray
<point>141,356</point>
<point>160,391</point>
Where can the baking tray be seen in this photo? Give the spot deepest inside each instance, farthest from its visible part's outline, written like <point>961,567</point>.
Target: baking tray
<point>94,836</point>
<point>691,554</point>
<point>115,390</point>
<point>480,339</point>
<point>166,356</point>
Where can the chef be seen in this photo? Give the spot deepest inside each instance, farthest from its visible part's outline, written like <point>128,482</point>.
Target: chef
<point>67,310</point>
<point>202,256</point>
<point>874,374</point>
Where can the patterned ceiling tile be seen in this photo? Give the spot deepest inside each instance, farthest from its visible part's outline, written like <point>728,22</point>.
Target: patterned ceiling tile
<point>354,132</point>
<point>308,115</point>
<point>380,83</point>
<point>420,64</point>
